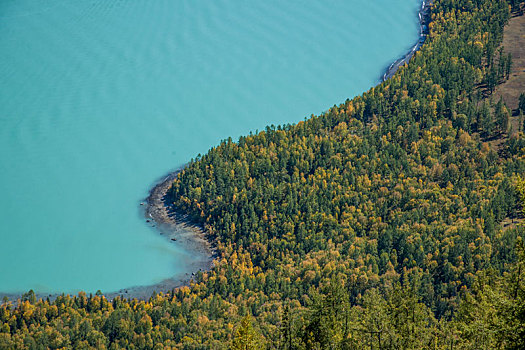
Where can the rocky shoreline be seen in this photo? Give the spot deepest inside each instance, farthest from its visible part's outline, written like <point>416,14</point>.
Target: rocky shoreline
<point>425,16</point>
<point>176,225</point>
<point>177,229</point>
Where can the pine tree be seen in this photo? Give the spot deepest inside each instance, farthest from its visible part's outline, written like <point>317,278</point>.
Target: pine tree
<point>245,336</point>
<point>485,120</point>
<point>521,103</point>
<point>501,116</point>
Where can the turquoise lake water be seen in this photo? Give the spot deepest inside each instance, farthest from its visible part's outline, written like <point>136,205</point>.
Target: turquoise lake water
<point>100,99</point>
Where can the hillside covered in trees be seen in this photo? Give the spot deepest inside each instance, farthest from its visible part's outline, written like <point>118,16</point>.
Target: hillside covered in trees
<point>391,221</point>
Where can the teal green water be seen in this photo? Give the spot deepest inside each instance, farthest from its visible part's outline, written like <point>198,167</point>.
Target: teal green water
<point>99,99</point>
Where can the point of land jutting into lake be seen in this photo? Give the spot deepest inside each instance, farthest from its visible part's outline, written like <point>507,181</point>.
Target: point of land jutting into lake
<point>392,220</point>
<point>99,105</point>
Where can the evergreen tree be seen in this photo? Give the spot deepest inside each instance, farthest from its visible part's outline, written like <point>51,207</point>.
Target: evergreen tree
<point>245,337</point>
<point>521,103</point>
<point>501,116</point>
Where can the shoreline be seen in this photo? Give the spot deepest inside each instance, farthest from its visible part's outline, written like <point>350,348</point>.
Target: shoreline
<point>167,219</point>
<point>176,228</point>
<point>179,229</point>
<point>424,19</point>
<point>171,221</point>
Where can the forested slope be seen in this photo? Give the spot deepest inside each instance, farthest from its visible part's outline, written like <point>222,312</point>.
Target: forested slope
<point>376,224</point>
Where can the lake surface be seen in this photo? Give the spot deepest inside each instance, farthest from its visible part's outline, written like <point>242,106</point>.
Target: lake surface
<point>100,99</point>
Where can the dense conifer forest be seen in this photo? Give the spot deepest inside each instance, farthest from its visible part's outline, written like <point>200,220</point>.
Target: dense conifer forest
<point>391,221</point>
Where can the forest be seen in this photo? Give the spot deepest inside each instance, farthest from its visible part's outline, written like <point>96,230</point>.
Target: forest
<point>391,221</point>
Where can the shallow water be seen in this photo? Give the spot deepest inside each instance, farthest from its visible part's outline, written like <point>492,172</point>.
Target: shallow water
<point>99,99</point>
